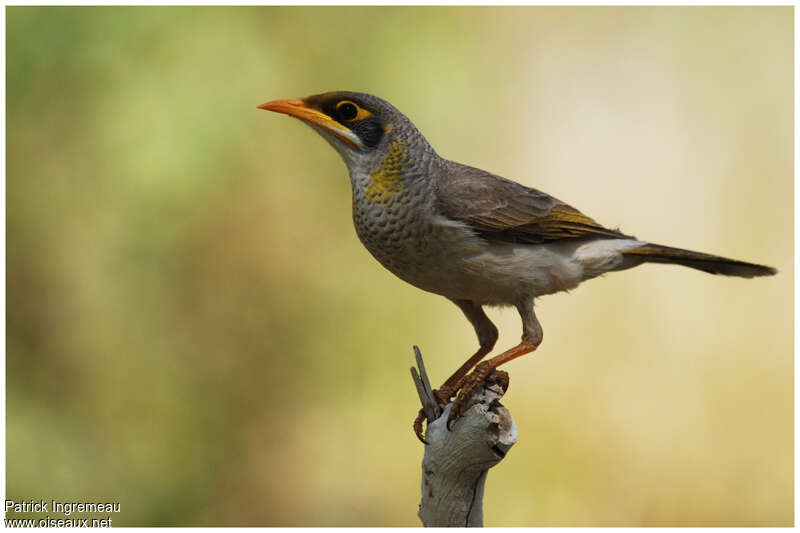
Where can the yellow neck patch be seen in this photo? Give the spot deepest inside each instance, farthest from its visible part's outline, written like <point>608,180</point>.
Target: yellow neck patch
<point>386,180</point>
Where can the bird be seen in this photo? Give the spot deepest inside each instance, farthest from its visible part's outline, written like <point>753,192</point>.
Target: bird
<point>476,238</point>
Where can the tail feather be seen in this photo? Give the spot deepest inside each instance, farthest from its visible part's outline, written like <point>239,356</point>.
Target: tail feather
<point>655,253</point>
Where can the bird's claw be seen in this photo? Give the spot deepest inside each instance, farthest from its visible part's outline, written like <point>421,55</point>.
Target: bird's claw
<point>483,374</point>
<point>499,377</point>
<point>418,426</point>
<point>469,384</point>
<point>442,396</point>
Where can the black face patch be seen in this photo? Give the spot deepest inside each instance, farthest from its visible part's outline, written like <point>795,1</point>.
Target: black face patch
<point>329,108</point>
<point>369,130</point>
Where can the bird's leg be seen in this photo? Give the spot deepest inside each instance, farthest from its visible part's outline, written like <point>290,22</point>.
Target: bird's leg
<point>484,370</point>
<point>487,337</point>
<point>531,338</point>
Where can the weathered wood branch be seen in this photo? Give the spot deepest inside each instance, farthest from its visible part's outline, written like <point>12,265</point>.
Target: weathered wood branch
<point>456,462</point>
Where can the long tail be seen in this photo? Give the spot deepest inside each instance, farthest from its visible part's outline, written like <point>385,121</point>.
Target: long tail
<point>655,253</point>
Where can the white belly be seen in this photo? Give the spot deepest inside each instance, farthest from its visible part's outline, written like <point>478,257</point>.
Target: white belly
<point>467,267</point>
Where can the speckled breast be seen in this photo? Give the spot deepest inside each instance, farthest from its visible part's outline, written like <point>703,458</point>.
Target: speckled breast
<point>391,214</point>
<point>395,232</point>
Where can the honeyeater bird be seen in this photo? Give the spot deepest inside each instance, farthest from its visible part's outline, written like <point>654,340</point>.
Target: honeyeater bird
<point>473,237</point>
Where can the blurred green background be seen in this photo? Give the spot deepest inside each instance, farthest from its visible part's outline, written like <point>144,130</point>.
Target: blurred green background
<point>194,330</point>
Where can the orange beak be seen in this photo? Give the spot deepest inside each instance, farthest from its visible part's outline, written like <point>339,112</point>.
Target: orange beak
<point>299,109</point>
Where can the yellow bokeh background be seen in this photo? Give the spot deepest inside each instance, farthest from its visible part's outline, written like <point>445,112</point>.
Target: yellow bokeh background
<point>195,332</point>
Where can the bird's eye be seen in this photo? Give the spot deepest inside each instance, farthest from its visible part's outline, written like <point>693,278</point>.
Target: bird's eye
<point>347,110</point>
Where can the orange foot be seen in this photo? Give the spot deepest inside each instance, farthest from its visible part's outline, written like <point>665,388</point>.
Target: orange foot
<point>442,396</point>
<point>483,374</point>
<point>468,385</point>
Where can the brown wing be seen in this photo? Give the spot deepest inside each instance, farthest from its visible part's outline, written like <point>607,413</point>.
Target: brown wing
<point>501,210</point>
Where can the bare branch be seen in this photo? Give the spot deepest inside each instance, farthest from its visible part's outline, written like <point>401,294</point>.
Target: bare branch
<point>456,462</point>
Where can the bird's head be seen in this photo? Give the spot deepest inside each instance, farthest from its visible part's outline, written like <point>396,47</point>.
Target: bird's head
<point>361,127</point>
